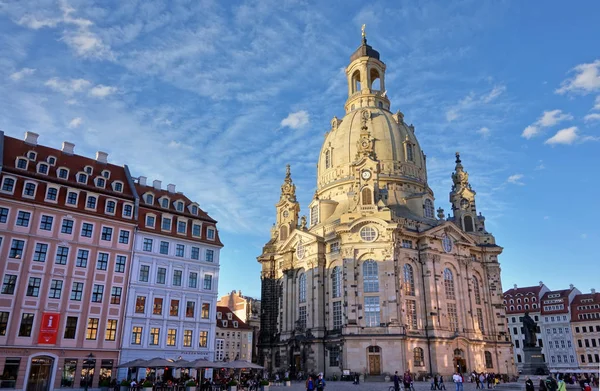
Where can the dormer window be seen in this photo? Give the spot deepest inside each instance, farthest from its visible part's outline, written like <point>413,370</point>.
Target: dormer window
<point>194,210</point>
<point>224,323</point>
<point>8,185</point>
<point>42,168</point>
<point>164,203</point>
<point>110,207</point>
<point>149,199</point>
<point>219,315</point>
<point>409,152</point>
<point>88,170</point>
<point>51,160</point>
<point>82,178</point>
<point>31,155</point>
<point>106,174</point>
<point>150,221</point>
<point>100,182</point>
<point>229,316</point>
<point>179,206</point>
<point>63,173</point>
<point>22,163</point>
<point>235,324</point>
<point>210,234</point>
<point>118,187</point>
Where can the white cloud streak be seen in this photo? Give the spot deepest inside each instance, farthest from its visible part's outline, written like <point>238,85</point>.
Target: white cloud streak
<point>296,120</point>
<point>547,119</point>
<point>586,79</point>
<point>565,136</point>
<point>101,91</point>
<point>68,87</point>
<point>516,179</point>
<point>17,76</point>
<point>75,122</point>
<point>592,117</point>
<point>472,101</point>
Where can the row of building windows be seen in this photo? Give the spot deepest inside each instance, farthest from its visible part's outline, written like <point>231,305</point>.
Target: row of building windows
<point>514,320</point>
<point>525,300</point>
<point>63,172</point>
<point>55,289</point>
<point>154,337</point>
<point>164,248</point>
<point>586,341</point>
<point>165,202</point>
<point>558,329</point>
<point>174,307</point>
<point>176,279</point>
<point>520,308</point>
<point>182,226</point>
<point>71,199</point>
<point>17,248</point>
<point>557,318</point>
<point>595,315</point>
<point>585,329</point>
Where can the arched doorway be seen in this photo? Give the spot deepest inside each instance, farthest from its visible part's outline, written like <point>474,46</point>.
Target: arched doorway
<point>374,356</point>
<point>460,364</point>
<point>40,373</point>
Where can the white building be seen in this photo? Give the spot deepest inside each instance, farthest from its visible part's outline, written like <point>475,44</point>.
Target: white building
<point>556,330</point>
<point>173,285</point>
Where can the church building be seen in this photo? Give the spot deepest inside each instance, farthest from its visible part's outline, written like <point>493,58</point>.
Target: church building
<point>376,280</point>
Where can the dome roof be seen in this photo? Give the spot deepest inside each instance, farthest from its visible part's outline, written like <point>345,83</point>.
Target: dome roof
<point>394,144</point>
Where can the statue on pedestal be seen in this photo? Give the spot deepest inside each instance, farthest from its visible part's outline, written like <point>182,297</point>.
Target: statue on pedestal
<point>529,329</point>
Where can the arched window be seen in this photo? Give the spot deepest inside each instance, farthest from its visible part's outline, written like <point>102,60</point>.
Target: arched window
<point>488,360</point>
<point>370,276</point>
<point>468,224</point>
<point>476,292</point>
<point>356,81</point>
<point>283,233</point>
<point>302,288</point>
<point>409,280</point>
<point>410,156</point>
<point>375,80</point>
<point>366,196</point>
<point>418,357</point>
<point>449,284</point>
<point>327,159</point>
<point>429,211</point>
<point>336,282</point>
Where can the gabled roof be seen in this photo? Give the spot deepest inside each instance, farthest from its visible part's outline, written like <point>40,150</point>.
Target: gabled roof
<point>173,197</point>
<point>527,290</point>
<point>229,325</point>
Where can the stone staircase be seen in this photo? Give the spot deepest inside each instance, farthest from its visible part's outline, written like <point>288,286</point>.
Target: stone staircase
<point>375,379</point>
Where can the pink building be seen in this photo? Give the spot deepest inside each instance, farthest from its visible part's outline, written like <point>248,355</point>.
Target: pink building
<point>66,233</point>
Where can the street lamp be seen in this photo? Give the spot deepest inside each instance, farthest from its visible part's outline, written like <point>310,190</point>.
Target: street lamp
<point>88,365</point>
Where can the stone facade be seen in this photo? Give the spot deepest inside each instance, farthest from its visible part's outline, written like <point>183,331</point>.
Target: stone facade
<point>374,281</point>
<point>585,327</point>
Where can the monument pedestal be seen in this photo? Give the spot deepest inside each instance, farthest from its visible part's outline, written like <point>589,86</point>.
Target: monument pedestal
<point>533,362</point>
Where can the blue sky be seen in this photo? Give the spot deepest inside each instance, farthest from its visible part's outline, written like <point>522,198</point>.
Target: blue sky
<point>217,97</point>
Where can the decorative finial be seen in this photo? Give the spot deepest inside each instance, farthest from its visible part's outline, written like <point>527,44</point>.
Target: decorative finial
<point>303,222</point>
<point>288,173</point>
<point>457,157</point>
<point>363,33</point>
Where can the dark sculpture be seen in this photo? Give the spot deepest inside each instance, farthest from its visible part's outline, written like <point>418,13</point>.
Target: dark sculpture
<point>529,329</point>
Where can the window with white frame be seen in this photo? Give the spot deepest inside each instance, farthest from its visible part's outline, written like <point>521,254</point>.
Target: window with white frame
<point>302,288</point>
<point>372,311</point>
<point>210,233</point>
<point>368,234</point>
<point>337,315</point>
<point>63,173</point>
<point>42,168</point>
<point>29,190</point>
<point>336,282</point>
<point>429,210</point>
<point>21,163</point>
<point>51,194</point>
<point>370,276</point>
<point>51,160</point>
<point>8,184</point>
<point>82,178</point>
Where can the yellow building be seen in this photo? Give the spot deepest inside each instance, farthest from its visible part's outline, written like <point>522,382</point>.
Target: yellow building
<point>375,281</point>
<point>585,326</point>
<point>233,337</point>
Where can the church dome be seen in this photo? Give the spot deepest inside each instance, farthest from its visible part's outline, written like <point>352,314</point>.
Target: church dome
<point>393,142</point>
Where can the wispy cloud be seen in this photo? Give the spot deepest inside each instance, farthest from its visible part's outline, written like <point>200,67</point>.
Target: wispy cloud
<point>585,80</point>
<point>75,122</point>
<point>296,120</point>
<point>540,166</point>
<point>548,119</point>
<point>516,179</point>
<point>565,136</point>
<point>68,87</point>
<point>484,131</point>
<point>16,76</point>
<point>101,91</point>
<point>473,100</point>
<point>597,103</point>
<point>592,117</point>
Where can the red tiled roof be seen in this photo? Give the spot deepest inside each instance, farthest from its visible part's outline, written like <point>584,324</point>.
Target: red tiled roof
<point>584,304</point>
<point>535,290</point>
<point>224,311</point>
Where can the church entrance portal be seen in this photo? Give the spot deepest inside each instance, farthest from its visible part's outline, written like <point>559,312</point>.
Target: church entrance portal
<point>460,364</point>
<point>40,373</point>
<point>374,354</point>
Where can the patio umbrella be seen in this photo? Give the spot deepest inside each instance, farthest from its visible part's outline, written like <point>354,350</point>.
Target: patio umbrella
<point>158,362</point>
<point>203,363</point>
<point>181,363</point>
<point>240,364</point>
<point>137,363</point>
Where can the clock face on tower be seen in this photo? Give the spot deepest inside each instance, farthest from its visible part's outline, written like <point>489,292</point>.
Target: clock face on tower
<point>366,174</point>
<point>285,214</point>
<point>464,203</point>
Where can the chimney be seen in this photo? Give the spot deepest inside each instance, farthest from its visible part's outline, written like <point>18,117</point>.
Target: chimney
<point>593,291</point>
<point>156,184</point>
<point>102,157</point>
<point>171,188</point>
<point>142,180</point>
<point>541,283</point>
<point>68,147</point>
<point>515,286</point>
<point>570,286</point>
<point>31,138</point>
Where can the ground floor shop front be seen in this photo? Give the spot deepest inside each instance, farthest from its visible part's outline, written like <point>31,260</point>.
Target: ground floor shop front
<point>34,369</point>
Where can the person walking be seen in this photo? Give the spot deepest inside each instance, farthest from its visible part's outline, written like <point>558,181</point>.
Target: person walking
<point>320,382</point>
<point>529,384</point>
<point>407,380</point>
<point>458,380</point>
<point>310,385</point>
<point>396,381</point>
<point>562,386</point>
<point>442,385</point>
<point>542,385</point>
